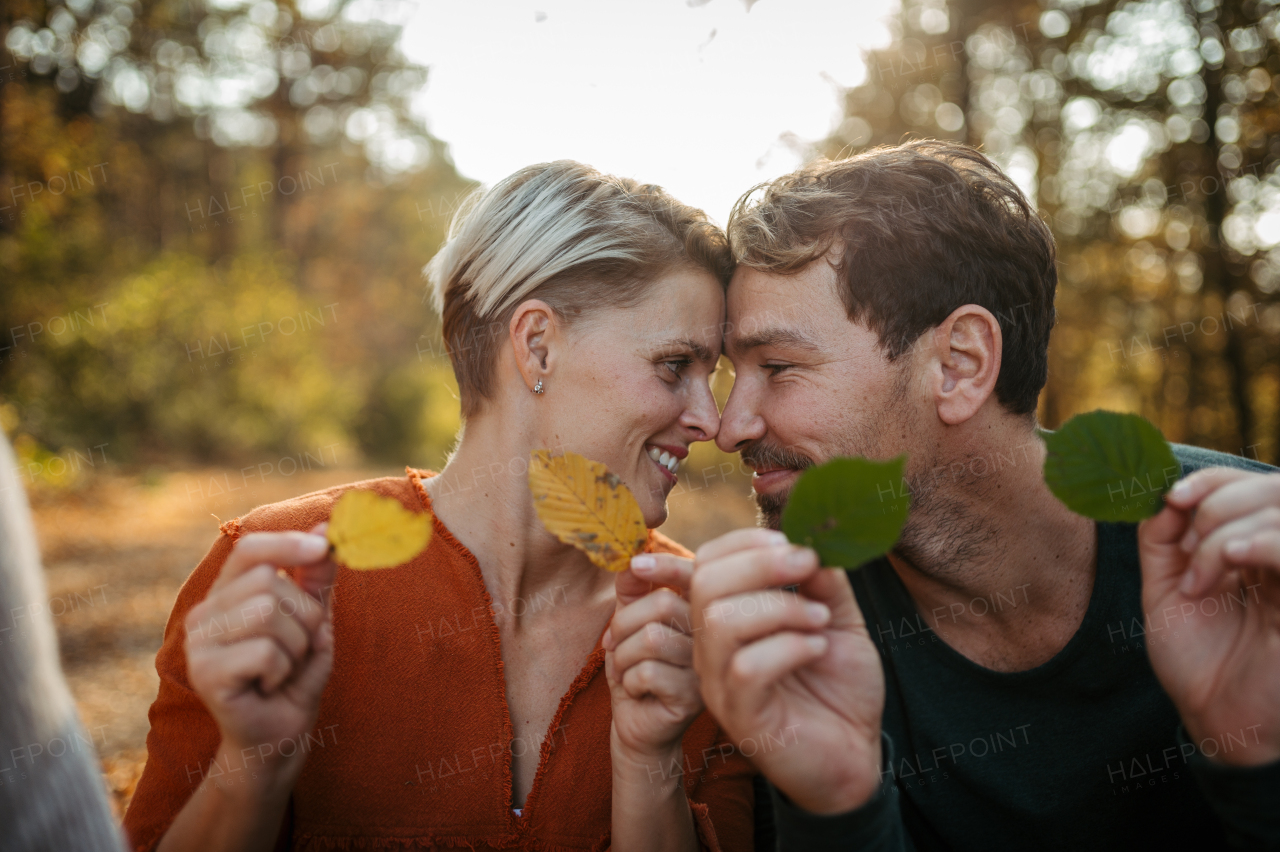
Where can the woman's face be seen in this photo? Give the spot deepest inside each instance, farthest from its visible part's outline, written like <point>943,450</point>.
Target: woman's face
<point>634,384</point>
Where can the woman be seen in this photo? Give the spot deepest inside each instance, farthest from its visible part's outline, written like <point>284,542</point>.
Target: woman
<point>445,702</point>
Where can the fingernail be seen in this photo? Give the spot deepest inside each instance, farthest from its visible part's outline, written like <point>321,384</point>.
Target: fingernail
<point>818,644</point>
<point>1189,541</point>
<point>1236,548</point>
<point>1188,583</point>
<point>817,613</point>
<point>800,558</point>
<point>777,537</point>
<point>1180,491</point>
<point>313,547</point>
<point>643,563</point>
<point>607,639</point>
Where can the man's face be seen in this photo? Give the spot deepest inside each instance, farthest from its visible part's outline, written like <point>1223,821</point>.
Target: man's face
<point>810,385</point>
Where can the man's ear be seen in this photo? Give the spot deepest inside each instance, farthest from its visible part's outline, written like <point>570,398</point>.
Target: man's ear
<point>967,347</point>
<point>532,329</point>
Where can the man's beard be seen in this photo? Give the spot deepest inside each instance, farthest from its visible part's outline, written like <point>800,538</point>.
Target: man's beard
<point>760,454</point>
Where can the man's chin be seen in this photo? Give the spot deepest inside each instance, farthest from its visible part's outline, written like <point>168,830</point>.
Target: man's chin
<point>769,508</point>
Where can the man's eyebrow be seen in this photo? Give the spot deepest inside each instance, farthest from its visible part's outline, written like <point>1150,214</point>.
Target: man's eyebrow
<point>699,350</point>
<point>781,337</point>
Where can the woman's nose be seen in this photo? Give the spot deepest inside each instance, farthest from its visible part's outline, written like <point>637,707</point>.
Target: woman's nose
<point>702,416</point>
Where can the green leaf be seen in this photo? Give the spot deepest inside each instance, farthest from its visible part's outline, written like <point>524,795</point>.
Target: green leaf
<point>1109,466</point>
<point>850,510</point>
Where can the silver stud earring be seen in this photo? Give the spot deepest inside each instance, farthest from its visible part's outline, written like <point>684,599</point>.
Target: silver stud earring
<point>538,388</point>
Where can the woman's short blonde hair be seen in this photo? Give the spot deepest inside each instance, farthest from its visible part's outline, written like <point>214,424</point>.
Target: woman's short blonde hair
<point>564,233</point>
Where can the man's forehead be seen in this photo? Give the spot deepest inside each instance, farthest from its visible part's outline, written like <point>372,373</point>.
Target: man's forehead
<point>767,308</point>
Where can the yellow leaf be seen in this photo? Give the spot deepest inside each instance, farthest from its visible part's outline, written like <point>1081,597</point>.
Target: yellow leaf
<point>581,503</point>
<point>368,531</point>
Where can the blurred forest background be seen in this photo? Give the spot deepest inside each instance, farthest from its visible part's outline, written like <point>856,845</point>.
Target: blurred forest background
<point>214,215</point>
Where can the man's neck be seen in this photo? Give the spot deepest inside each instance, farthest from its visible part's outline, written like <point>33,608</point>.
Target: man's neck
<point>1005,571</point>
<point>482,496</point>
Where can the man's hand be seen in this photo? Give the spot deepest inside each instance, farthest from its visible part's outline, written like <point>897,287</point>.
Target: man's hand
<point>799,667</point>
<point>1211,578</point>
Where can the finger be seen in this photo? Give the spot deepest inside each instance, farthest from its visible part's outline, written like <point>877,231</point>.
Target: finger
<point>743,539</point>
<point>661,605</point>
<point>654,642</point>
<point>755,668</point>
<point>663,569</point>
<point>280,549</point>
<point>751,570</point>
<point>260,603</point>
<point>1209,562</point>
<point>1188,492</point>
<point>226,602</point>
<point>669,684</point>
<point>746,618</point>
<point>1261,549</point>
<point>831,587</point>
<point>236,668</point>
<point>1240,496</point>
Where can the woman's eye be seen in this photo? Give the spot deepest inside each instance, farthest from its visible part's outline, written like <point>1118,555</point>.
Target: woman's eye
<point>676,365</point>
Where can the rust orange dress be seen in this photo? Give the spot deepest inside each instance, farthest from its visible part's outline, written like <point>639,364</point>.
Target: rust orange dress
<point>411,750</point>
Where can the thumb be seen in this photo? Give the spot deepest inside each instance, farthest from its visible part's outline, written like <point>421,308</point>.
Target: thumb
<point>1159,550</point>
<point>629,588</point>
<point>314,675</point>
<point>316,578</point>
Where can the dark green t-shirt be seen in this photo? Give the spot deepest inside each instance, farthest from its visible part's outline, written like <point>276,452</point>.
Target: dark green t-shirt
<point>1082,752</point>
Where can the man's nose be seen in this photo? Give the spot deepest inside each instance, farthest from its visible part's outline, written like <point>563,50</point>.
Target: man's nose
<point>740,423</point>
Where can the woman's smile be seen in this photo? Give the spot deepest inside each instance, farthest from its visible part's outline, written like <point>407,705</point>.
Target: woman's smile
<point>666,458</point>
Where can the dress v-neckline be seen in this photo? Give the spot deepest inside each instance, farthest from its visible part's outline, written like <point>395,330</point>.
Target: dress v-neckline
<point>594,662</point>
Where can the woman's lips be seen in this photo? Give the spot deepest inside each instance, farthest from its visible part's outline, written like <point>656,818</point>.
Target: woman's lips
<point>666,458</point>
<point>769,480</point>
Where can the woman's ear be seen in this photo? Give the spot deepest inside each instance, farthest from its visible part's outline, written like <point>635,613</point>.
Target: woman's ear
<point>533,329</point>
<point>967,345</point>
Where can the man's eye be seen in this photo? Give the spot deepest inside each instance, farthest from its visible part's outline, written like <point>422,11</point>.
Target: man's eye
<point>775,369</point>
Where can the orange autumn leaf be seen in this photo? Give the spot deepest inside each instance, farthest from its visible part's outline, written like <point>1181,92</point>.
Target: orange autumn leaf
<point>581,503</point>
<point>368,531</point>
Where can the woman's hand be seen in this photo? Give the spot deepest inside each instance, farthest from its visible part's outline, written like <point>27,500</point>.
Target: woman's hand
<point>649,658</point>
<point>260,647</point>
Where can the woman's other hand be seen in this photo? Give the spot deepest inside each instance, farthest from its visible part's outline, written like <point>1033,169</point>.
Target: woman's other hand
<point>649,657</point>
<point>260,647</point>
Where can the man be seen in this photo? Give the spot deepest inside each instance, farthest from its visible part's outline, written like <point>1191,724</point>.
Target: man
<point>1013,675</point>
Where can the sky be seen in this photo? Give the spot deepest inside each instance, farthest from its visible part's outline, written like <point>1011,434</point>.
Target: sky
<point>705,98</point>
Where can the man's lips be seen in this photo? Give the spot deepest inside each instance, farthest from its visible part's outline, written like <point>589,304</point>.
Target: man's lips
<point>764,480</point>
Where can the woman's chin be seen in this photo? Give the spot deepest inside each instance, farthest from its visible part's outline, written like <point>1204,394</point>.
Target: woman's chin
<point>654,516</point>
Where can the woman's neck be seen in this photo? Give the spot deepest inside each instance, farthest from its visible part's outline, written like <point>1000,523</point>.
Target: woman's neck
<point>482,496</point>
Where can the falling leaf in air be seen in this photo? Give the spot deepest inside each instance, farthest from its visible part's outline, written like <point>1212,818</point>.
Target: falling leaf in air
<point>581,503</point>
<point>369,531</point>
